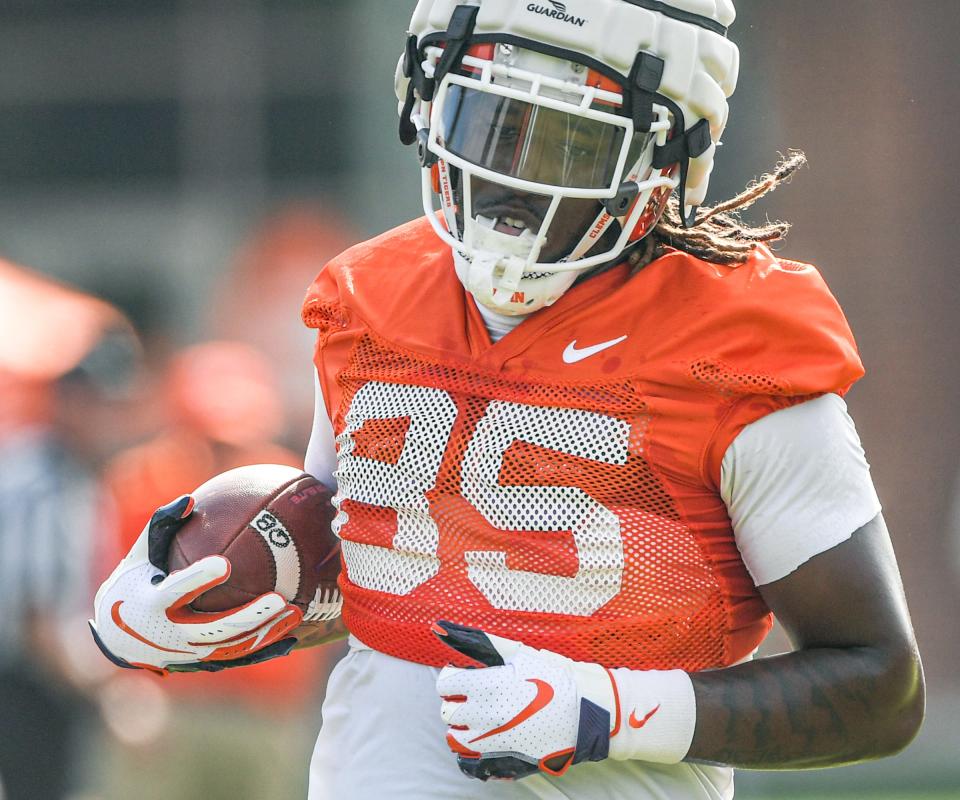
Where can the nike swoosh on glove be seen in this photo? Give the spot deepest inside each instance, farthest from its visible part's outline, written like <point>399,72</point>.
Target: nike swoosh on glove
<point>143,619</point>
<point>528,711</point>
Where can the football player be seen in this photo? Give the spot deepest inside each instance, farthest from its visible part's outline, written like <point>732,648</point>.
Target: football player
<point>585,439</point>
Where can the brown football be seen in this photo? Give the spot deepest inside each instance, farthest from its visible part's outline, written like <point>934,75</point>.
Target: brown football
<point>273,524</point>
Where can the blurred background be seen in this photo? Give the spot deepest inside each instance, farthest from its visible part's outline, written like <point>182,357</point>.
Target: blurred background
<point>192,165</point>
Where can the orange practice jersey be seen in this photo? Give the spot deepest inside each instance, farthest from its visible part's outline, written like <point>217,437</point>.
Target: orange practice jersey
<point>561,486</point>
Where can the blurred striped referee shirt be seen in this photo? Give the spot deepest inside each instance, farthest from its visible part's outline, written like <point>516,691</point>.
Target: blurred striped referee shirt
<point>48,535</point>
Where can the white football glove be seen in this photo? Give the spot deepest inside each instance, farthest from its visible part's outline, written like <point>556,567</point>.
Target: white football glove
<point>532,711</point>
<point>143,618</point>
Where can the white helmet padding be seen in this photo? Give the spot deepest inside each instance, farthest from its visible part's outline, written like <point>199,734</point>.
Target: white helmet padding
<point>700,65</point>
<point>662,70</point>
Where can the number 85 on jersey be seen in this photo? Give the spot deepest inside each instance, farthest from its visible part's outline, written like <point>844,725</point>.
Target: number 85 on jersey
<point>434,459</point>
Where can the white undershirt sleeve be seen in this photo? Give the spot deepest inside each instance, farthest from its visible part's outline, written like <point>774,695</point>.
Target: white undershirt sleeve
<point>796,484</point>
<point>321,458</point>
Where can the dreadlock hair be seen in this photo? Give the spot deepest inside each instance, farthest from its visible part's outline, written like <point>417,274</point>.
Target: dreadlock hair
<point>719,235</point>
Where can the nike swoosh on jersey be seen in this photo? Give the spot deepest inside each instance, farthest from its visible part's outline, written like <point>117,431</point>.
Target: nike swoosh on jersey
<point>540,701</point>
<point>572,354</point>
<point>639,723</point>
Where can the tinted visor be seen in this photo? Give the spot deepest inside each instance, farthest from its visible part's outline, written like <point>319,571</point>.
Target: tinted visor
<point>530,142</point>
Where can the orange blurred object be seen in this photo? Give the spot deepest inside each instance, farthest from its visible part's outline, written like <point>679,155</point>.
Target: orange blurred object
<point>23,402</point>
<point>225,391</point>
<point>257,300</point>
<point>46,328</point>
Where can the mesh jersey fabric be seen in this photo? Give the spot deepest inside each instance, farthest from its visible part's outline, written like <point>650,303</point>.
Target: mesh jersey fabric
<point>569,503</point>
<point>795,483</point>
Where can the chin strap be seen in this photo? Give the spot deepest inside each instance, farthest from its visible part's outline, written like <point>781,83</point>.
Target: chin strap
<point>481,279</point>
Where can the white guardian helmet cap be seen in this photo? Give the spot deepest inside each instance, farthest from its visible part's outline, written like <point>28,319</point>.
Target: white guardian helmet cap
<point>551,134</point>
